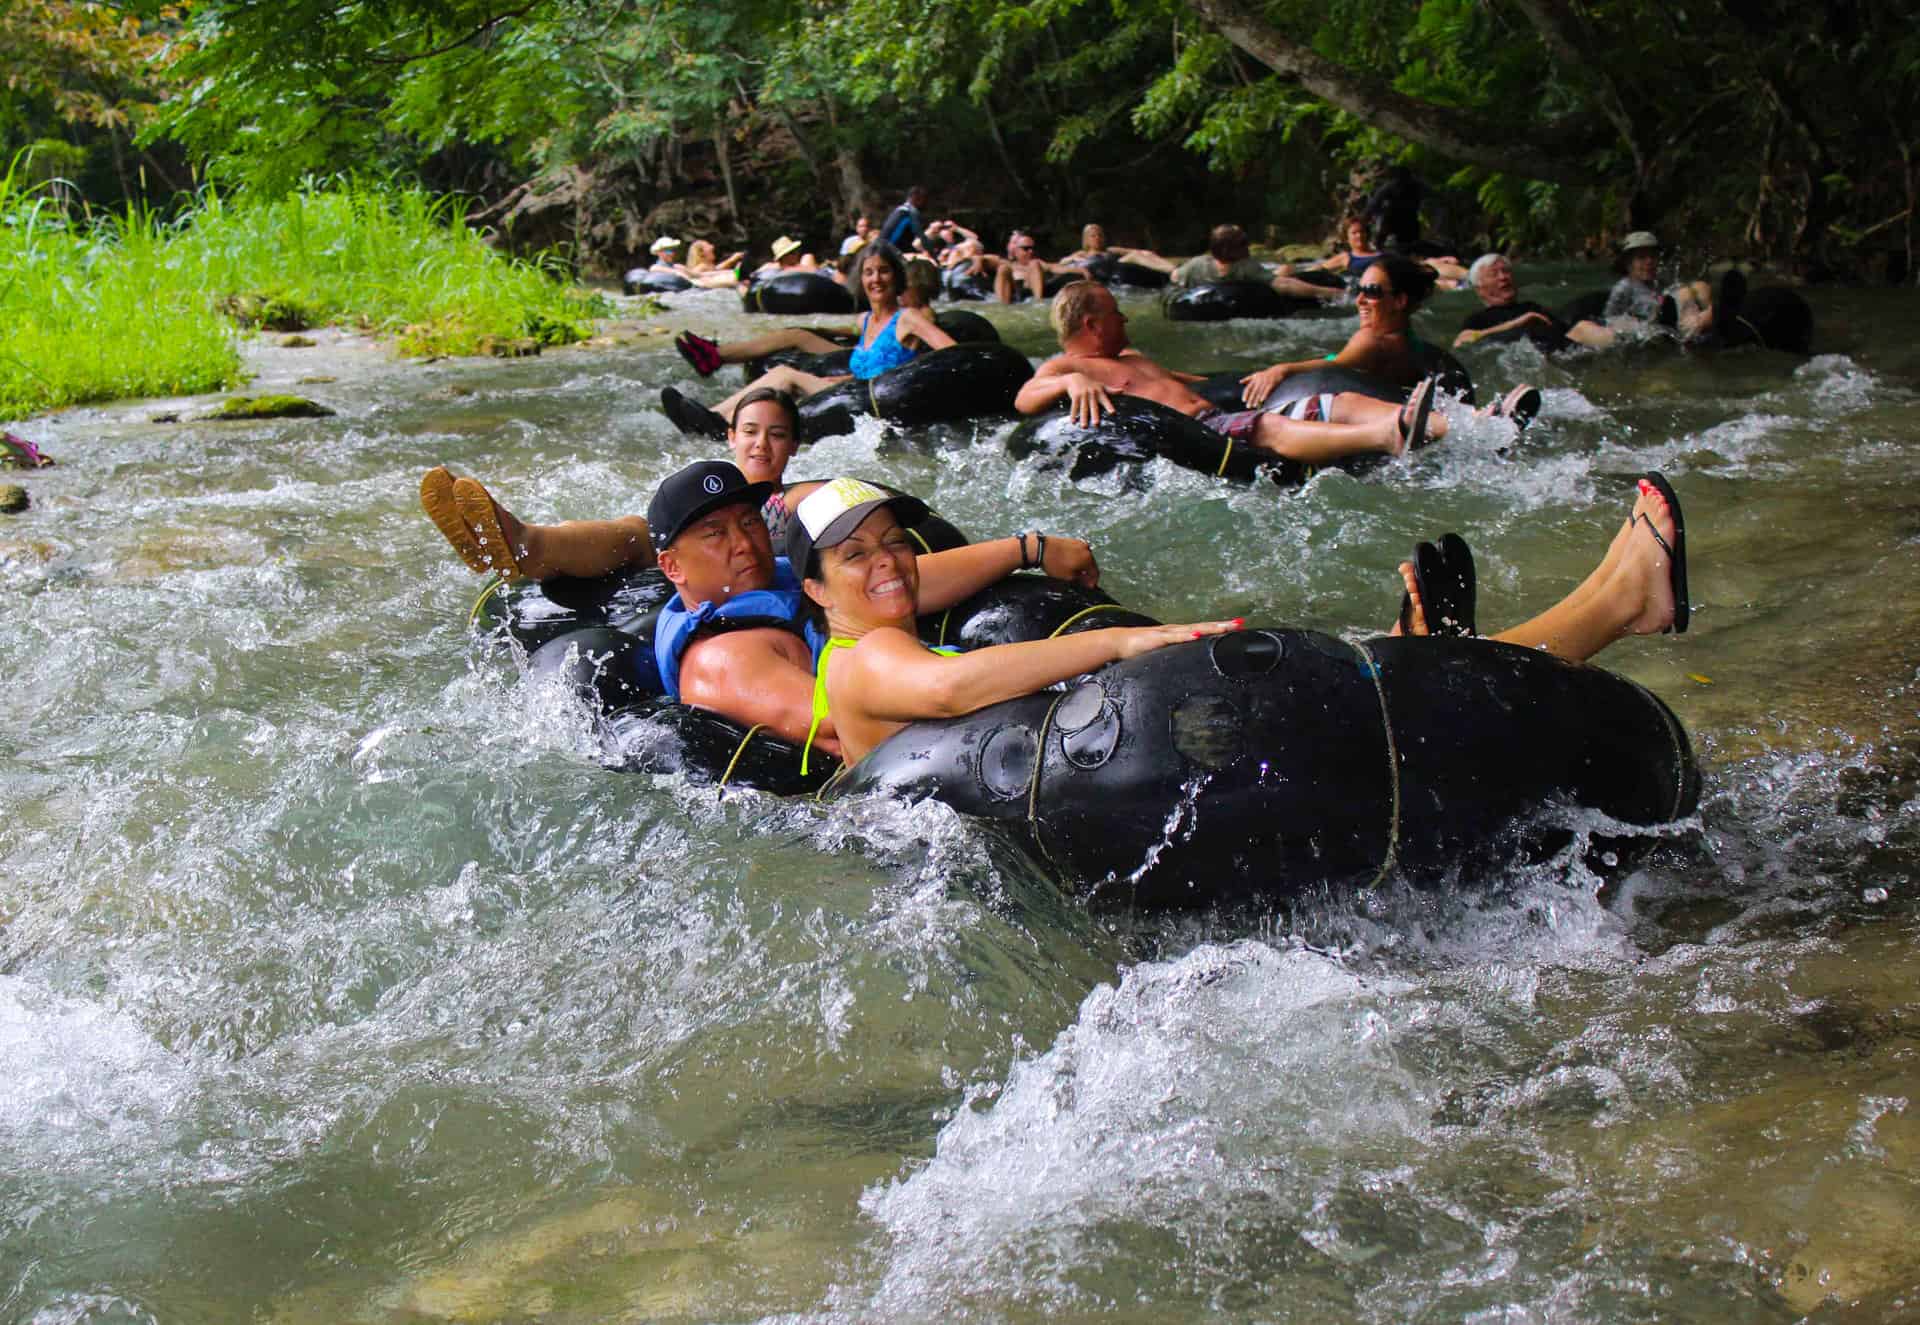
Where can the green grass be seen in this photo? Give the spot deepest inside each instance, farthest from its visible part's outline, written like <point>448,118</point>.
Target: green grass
<point>134,306</point>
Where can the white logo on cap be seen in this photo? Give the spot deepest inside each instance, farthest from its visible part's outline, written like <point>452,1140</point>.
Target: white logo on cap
<point>711,483</point>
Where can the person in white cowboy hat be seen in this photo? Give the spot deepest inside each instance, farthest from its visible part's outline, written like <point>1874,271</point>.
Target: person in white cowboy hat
<point>787,256</point>
<point>666,253</point>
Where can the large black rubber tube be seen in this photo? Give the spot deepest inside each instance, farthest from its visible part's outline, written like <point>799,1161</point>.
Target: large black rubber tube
<point>645,280</point>
<point>1223,389</point>
<point>961,382</point>
<point>796,292</point>
<point>1220,301</point>
<point>1773,316</point>
<point>1272,761</point>
<point>966,326</point>
<point>1135,431</point>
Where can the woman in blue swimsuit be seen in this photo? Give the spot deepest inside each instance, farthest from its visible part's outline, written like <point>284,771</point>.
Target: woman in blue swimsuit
<point>890,334</point>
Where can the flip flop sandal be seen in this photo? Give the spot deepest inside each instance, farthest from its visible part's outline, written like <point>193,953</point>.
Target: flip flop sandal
<point>1425,556</point>
<point>701,354</point>
<point>1522,405</point>
<point>691,417</point>
<point>1676,553</point>
<point>436,498</point>
<point>1460,588</point>
<point>1414,434</point>
<point>477,510</point>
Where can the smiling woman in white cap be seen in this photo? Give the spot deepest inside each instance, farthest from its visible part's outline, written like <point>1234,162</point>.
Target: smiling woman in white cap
<point>857,564</point>
<point>1635,294</point>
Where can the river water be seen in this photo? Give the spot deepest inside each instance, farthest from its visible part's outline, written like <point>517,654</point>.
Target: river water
<point>339,983</point>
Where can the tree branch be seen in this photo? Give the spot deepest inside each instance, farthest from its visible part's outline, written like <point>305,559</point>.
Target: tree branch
<point>457,42</point>
<point>1555,151</point>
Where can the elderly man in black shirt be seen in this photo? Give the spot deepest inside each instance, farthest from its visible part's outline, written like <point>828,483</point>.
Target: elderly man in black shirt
<point>1506,317</point>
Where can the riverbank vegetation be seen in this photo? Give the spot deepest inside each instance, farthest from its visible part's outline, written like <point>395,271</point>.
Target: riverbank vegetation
<point>101,306</point>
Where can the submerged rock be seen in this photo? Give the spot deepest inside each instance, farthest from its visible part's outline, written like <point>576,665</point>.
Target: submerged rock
<point>297,342</point>
<point>13,499</point>
<point>267,407</point>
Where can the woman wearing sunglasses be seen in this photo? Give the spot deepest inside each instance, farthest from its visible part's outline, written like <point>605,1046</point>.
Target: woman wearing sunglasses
<point>1385,348</point>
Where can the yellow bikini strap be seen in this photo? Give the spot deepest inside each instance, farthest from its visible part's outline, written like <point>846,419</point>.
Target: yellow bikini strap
<point>820,695</point>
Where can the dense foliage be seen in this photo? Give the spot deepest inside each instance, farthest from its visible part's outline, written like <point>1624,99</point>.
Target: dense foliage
<point>1758,128</point>
<point>1542,120</point>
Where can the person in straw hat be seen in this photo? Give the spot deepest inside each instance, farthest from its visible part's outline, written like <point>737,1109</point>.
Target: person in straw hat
<point>787,256</point>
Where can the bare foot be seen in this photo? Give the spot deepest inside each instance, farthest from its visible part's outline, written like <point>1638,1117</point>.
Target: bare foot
<point>1412,620</point>
<point>1643,573</point>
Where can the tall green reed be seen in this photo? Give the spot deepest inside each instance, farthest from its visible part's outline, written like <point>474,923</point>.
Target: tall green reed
<point>132,305</point>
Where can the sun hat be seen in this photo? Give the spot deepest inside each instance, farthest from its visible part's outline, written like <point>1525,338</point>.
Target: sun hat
<point>664,243</point>
<point>1639,239</point>
<point>685,496</point>
<point>783,246</point>
<point>834,510</point>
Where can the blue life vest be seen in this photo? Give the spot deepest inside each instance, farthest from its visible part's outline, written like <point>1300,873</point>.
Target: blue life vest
<point>783,606</point>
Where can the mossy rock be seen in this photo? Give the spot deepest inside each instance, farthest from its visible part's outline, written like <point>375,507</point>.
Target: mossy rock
<point>509,347</point>
<point>269,310</point>
<point>557,331</point>
<point>267,407</point>
<point>297,342</point>
<point>13,499</point>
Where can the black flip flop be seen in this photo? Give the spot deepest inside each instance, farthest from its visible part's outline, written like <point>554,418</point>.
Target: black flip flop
<point>1460,589</point>
<point>1676,554</point>
<point>1448,588</point>
<point>1415,433</point>
<point>691,417</point>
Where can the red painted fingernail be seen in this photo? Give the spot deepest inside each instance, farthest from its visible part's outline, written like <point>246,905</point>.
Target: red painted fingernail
<point>1645,486</point>
<point>1196,634</point>
<point>1238,622</point>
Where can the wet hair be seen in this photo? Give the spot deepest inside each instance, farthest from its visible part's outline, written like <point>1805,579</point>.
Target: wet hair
<point>1412,279</point>
<point>1069,312</point>
<point>923,279</point>
<point>1480,265</point>
<point>1227,243</point>
<point>1086,233</point>
<point>787,403</point>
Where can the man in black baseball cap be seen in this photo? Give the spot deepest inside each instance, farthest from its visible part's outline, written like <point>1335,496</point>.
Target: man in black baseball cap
<point>736,637</point>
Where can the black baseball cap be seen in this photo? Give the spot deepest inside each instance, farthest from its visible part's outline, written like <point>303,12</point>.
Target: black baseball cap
<point>685,496</point>
<point>834,510</point>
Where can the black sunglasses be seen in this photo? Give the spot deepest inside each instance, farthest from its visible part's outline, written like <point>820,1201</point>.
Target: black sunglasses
<point>1371,292</point>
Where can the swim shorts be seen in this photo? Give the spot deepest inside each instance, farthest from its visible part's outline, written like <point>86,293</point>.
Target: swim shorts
<point>1237,427</point>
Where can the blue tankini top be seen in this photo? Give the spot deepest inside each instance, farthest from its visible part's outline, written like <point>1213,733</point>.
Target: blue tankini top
<point>885,352</point>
